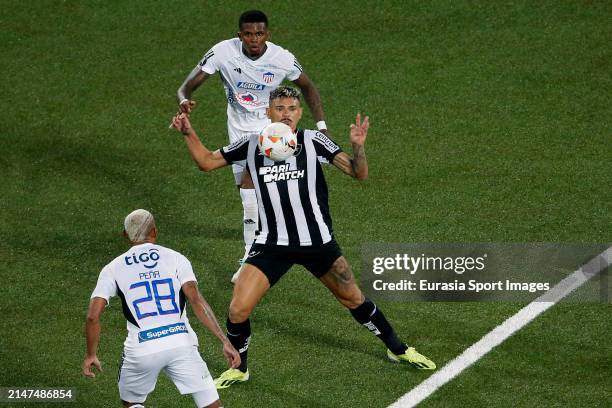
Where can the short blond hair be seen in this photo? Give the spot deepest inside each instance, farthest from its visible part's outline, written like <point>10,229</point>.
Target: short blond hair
<point>138,225</point>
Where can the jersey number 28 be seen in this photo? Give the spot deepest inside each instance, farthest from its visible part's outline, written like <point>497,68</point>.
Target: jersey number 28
<point>155,295</point>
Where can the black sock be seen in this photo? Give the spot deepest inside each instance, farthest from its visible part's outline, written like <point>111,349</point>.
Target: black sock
<point>239,334</point>
<point>374,320</point>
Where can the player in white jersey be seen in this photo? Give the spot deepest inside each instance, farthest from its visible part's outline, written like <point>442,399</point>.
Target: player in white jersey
<point>153,283</point>
<point>250,67</point>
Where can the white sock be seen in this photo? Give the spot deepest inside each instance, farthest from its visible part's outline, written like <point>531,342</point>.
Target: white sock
<point>250,216</point>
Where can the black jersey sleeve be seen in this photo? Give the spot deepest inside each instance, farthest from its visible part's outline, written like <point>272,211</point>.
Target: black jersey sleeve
<point>325,146</point>
<point>237,151</point>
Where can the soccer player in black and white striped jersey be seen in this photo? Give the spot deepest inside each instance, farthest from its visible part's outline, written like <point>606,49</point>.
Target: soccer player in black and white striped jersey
<point>295,225</point>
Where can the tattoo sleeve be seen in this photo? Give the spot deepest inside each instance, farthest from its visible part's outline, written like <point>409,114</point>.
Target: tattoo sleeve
<point>359,162</point>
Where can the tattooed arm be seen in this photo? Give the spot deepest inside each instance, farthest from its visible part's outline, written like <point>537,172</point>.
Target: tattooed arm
<point>356,167</point>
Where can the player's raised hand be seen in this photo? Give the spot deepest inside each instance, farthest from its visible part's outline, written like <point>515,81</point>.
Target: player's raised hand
<point>231,355</point>
<point>359,130</point>
<point>87,366</point>
<point>186,106</point>
<point>181,123</point>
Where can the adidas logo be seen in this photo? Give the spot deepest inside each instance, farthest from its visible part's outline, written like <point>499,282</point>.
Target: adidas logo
<point>249,221</point>
<point>238,70</point>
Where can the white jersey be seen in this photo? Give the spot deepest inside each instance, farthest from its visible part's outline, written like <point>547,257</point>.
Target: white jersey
<point>248,82</point>
<point>148,280</point>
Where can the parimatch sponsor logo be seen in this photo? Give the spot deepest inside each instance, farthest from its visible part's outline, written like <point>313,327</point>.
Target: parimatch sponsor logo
<point>279,172</point>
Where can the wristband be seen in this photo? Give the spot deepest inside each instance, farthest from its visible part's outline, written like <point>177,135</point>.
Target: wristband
<point>183,101</point>
<point>321,125</point>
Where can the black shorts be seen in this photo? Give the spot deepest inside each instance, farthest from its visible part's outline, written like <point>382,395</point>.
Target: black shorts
<point>275,260</point>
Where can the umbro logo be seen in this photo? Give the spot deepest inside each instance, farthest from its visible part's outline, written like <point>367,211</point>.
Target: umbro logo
<point>238,70</point>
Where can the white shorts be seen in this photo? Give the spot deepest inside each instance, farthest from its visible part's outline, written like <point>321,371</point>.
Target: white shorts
<point>183,365</point>
<point>235,134</point>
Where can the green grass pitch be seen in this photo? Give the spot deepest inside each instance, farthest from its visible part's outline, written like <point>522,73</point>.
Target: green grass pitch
<point>490,123</point>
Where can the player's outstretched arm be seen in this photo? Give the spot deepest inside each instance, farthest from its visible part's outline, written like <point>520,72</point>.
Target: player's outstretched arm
<point>312,97</point>
<point>191,83</point>
<point>204,313</point>
<point>357,167</point>
<point>204,158</point>
<point>92,334</point>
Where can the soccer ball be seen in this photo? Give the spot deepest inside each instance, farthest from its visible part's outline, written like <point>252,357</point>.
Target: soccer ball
<point>277,141</point>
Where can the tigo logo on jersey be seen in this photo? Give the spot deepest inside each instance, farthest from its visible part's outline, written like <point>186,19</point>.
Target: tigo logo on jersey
<point>279,172</point>
<point>250,85</point>
<point>268,77</point>
<point>162,331</point>
<point>143,257</point>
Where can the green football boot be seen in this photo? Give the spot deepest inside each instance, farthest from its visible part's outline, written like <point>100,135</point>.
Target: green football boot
<point>230,377</point>
<point>411,356</point>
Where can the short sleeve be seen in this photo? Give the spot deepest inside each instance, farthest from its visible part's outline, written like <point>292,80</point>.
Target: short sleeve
<point>211,61</point>
<point>325,147</point>
<point>236,152</point>
<point>184,270</point>
<point>106,286</point>
<point>294,69</point>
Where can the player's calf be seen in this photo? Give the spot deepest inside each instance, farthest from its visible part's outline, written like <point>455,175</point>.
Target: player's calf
<point>341,282</point>
<point>373,319</point>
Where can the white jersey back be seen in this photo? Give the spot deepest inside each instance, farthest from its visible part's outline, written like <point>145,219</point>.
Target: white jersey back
<point>148,280</point>
<point>248,82</point>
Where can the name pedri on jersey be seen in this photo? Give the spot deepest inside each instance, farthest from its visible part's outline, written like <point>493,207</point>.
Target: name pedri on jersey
<point>247,82</point>
<point>148,280</point>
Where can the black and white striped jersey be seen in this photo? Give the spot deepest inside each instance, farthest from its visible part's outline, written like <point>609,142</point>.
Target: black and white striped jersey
<point>292,194</point>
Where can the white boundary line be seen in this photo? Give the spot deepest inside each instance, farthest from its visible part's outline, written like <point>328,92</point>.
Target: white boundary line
<point>504,330</point>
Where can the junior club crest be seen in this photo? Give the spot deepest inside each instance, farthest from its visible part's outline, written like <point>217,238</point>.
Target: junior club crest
<point>268,77</point>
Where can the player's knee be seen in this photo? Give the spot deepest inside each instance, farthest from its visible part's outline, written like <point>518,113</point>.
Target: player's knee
<point>238,311</point>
